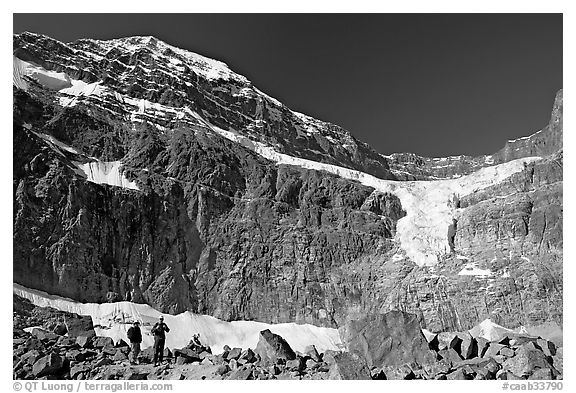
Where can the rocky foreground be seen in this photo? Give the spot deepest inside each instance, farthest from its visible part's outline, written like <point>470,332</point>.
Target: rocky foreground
<point>62,345</point>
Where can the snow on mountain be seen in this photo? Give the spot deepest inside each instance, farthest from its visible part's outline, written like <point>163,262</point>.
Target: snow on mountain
<point>106,172</point>
<point>211,69</point>
<point>429,204</point>
<point>422,232</point>
<point>492,331</point>
<point>49,79</point>
<point>114,319</point>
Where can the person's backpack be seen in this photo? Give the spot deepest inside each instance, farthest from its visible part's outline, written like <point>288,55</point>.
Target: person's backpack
<point>130,333</point>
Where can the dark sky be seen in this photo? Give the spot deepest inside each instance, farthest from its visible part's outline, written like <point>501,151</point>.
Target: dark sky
<point>432,84</point>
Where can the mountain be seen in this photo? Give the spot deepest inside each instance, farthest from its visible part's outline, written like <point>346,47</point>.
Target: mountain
<point>147,173</point>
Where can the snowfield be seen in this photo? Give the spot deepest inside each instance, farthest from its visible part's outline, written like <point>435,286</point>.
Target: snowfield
<point>106,172</point>
<point>114,319</point>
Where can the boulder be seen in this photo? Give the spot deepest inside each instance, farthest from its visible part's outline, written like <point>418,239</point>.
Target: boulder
<point>84,341</point>
<point>67,342</point>
<point>50,364</point>
<point>447,340</point>
<point>349,366</point>
<point>393,338</point>
<point>44,335</point>
<point>79,370</point>
<point>528,357</point>
<point>403,372</point>
<point>450,355</point>
<point>297,364</point>
<point>458,374</point>
<point>119,356</point>
<point>441,366</point>
<point>33,343</point>
<point>60,329</point>
<point>186,355</point>
<point>31,357</point>
<point>482,345</point>
<point>109,350</point>
<point>274,370</point>
<point>233,364</point>
<point>542,374</point>
<point>101,342</point>
<point>222,369</point>
<point>234,353</point>
<point>558,360</point>
<point>242,373</point>
<point>79,325</point>
<point>248,355</point>
<point>507,352</point>
<point>548,347</point>
<point>493,350</point>
<point>80,355</point>
<point>102,362</point>
<point>272,347</point>
<point>136,374</point>
<point>468,347</point>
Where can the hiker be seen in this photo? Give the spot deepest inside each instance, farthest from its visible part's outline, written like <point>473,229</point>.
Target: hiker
<point>135,336</point>
<point>159,331</point>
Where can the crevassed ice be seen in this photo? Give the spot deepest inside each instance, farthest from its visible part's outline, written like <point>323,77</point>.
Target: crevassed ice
<point>428,204</point>
<point>106,172</point>
<point>116,318</point>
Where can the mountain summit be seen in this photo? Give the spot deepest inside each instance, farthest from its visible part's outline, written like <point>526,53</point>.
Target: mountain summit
<point>147,173</point>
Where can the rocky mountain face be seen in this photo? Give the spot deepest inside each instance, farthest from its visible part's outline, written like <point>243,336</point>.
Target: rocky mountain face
<point>143,172</point>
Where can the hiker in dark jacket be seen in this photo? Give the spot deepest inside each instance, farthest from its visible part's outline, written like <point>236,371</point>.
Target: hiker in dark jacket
<point>135,336</point>
<point>159,331</point>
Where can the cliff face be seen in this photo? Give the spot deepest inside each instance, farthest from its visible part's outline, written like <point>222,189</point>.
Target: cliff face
<point>221,231</point>
<point>139,174</point>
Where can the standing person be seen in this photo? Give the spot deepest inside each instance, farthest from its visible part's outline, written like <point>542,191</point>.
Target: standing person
<point>135,336</point>
<point>159,331</point>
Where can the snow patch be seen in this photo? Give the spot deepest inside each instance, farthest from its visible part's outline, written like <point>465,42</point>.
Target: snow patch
<point>50,79</point>
<point>106,172</point>
<point>80,89</point>
<point>470,269</point>
<point>114,319</point>
<point>491,331</point>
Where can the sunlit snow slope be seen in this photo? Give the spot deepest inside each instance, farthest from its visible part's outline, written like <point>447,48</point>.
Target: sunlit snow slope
<point>114,319</point>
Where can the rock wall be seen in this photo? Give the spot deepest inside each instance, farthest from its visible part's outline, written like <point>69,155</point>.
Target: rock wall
<point>221,231</point>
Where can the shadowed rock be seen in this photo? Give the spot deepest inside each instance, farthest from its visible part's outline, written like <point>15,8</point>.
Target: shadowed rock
<point>272,347</point>
<point>393,338</point>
